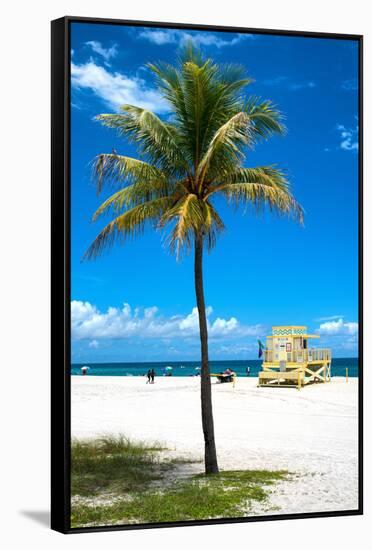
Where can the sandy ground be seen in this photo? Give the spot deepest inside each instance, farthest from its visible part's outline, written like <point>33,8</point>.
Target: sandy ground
<point>312,433</point>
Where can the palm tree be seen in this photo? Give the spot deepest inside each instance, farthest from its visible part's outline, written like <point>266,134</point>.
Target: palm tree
<point>184,161</point>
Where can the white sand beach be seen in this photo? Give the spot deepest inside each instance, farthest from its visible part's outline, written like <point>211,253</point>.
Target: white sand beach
<point>312,432</point>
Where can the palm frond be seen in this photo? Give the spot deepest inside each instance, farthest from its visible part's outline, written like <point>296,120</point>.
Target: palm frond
<point>189,53</point>
<point>129,224</point>
<point>191,215</point>
<point>111,168</point>
<point>260,195</point>
<point>213,225</point>
<point>234,74</point>
<point>225,101</point>
<point>187,214</point>
<point>266,119</point>
<point>203,96</point>
<point>134,195</point>
<point>155,139</point>
<point>169,82</point>
<point>228,140</point>
<point>269,175</point>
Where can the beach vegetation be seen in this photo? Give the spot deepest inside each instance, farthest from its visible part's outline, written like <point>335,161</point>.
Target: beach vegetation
<point>116,481</point>
<point>109,463</point>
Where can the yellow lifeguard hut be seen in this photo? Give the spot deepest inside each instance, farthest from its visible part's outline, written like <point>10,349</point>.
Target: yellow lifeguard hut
<point>290,360</point>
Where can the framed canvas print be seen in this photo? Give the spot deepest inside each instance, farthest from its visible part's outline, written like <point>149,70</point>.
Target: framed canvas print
<point>206,274</point>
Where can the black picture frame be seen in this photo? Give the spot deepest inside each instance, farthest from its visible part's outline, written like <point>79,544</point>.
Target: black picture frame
<point>60,273</point>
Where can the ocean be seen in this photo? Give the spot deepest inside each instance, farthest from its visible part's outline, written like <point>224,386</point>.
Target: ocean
<point>190,368</point>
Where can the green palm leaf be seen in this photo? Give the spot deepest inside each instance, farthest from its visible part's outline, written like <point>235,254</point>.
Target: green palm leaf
<point>155,139</point>
<point>226,145</point>
<point>266,119</point>
<point>129,224</point>
<point>115,169</point>
<point>260,195</point>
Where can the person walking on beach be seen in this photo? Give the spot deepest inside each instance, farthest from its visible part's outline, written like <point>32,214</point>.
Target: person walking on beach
<point>148,376</point>
<point>152,375</point>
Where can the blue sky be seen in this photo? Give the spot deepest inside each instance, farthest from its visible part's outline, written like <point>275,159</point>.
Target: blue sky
<point>136,303</point>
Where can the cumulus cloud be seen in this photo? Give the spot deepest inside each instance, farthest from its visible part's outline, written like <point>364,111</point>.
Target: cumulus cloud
<point>93,344</point>
<point>169,36</point>
<point>349,138</point>
<point>338,327</point>
<point>88,323</point>
<point>289,84</point>
<point>116,89</point>
<point>106,53</point>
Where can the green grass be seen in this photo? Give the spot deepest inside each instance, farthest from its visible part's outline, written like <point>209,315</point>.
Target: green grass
<point>124,473</point>
<point>112,465</point>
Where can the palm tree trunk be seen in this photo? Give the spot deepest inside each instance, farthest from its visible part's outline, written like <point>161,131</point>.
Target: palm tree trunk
<point>210,456</point>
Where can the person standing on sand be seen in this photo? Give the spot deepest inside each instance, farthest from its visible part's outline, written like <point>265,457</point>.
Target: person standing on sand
<point>152,375</point>
<point>148,377</point>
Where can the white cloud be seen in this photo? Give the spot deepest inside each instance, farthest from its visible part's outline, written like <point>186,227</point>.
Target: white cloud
<point>350,85</point>
<point>329,318</point>
<point>93,344</point>
<point>223,326</point>
<point>237,349</point>
<point>106,53</point>
<point>349,138</point>
<point>169,36</point>
<point>88,323</point>
<point>116,89</point>
<point>350,343</point>
<point>338,327</point>
<point>275,81</point>
<point>191,321</point>
<point>302,85</point>
<point>287,83</point>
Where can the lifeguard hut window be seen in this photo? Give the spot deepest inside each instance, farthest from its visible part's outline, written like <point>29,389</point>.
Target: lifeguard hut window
<point>305,343</point>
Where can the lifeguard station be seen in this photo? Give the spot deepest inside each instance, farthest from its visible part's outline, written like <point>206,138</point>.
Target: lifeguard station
<point>290,360</point>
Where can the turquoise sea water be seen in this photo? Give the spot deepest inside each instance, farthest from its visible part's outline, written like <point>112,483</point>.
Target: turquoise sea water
<point>189,368</point>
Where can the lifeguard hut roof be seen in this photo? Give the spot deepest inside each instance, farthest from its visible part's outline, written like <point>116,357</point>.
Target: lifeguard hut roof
<point>291,330</point>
